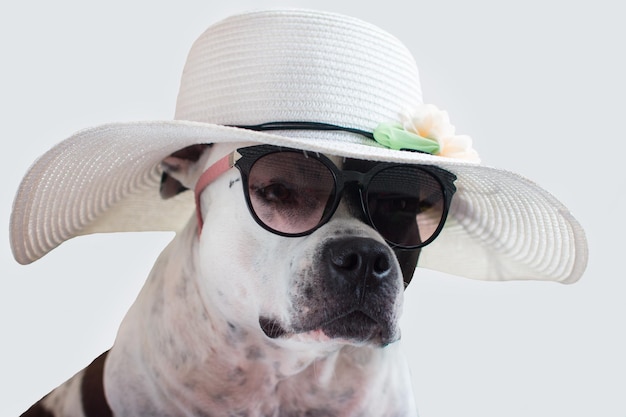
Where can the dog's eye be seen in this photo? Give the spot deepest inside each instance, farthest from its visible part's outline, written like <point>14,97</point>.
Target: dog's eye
<point>398,204</point>
<point>275,193</point>
<point>411,205</point>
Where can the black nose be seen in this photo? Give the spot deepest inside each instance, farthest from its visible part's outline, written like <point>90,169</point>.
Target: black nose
<point>359,265</point>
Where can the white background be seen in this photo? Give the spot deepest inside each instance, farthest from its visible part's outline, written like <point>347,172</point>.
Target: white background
<point>538,84</point>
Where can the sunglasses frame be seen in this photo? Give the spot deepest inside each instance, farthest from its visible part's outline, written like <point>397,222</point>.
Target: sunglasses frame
<point>245,158</point>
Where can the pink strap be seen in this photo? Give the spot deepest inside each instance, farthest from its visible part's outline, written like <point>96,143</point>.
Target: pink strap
<point>207,178</point>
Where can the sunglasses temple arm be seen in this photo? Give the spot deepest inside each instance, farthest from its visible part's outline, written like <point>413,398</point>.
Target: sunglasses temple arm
<point>207,177</point>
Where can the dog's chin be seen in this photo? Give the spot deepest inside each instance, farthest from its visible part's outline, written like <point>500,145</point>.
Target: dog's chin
<point>355,328</point>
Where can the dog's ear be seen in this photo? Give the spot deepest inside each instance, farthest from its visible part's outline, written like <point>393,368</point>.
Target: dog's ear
<point>179,170</point>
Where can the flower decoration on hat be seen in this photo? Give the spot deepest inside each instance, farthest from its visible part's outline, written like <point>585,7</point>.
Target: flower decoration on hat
<point>426,129</point>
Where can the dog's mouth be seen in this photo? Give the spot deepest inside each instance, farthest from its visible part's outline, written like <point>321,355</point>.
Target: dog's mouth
<point>352,327</point>
<point>272,328</point>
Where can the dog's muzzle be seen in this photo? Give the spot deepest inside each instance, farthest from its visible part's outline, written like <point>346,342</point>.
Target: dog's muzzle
<point>357,266</point>
<point>352,291</point>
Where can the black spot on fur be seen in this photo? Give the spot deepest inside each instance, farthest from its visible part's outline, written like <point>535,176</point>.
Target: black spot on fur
<point>201,413</point>
<point>232,182</point>
<point>238,414</point>
<point>407,258</point>
<point>237,376</point>
<point>254,353</point>
<point>308,413</point>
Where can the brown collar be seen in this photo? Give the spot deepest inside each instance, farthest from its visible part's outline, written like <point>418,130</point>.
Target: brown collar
<point>92,389</point>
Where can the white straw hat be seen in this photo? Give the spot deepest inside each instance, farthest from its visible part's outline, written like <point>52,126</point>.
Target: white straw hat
<point>304,66</point>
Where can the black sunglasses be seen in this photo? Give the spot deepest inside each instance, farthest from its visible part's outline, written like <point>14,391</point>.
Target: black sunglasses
<point>292,193</point>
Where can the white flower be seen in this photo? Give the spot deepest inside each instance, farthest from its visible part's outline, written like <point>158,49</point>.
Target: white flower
<point>427,121</point>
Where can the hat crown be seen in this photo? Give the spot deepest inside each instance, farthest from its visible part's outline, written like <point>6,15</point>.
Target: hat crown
<point>299,66</point>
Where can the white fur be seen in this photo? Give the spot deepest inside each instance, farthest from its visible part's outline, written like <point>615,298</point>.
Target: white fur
<point>191,344</point>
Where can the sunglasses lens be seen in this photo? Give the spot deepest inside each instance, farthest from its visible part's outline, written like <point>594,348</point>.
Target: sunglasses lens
<point>406,205</point>
<point>289,192</point>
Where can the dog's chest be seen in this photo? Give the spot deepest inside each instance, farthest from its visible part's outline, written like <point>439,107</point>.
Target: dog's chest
<point>298,397</point>
<point>258,388</point>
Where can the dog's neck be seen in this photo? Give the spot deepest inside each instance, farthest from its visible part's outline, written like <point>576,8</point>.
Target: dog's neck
<point>215,365</point>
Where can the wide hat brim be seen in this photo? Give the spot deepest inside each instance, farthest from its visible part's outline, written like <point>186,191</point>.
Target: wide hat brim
<point>280,66</point>
<point>106,179</point>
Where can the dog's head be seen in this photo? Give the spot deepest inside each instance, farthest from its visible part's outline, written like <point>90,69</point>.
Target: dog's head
<point>340,284</point>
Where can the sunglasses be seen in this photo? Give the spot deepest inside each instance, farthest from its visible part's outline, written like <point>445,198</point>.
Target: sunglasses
<point>292,193</point>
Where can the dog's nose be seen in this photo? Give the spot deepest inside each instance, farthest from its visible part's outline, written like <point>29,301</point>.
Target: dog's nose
<point>358,265</point>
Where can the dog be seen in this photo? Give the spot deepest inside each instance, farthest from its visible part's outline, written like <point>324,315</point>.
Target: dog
<point>236,321</point>
<point>281,296</point>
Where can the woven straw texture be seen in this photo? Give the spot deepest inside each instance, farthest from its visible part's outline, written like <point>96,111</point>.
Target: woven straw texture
<point>280,66</point>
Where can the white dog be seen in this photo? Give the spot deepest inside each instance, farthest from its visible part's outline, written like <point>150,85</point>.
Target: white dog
<point>244,322</point>
<point>327,178</point>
